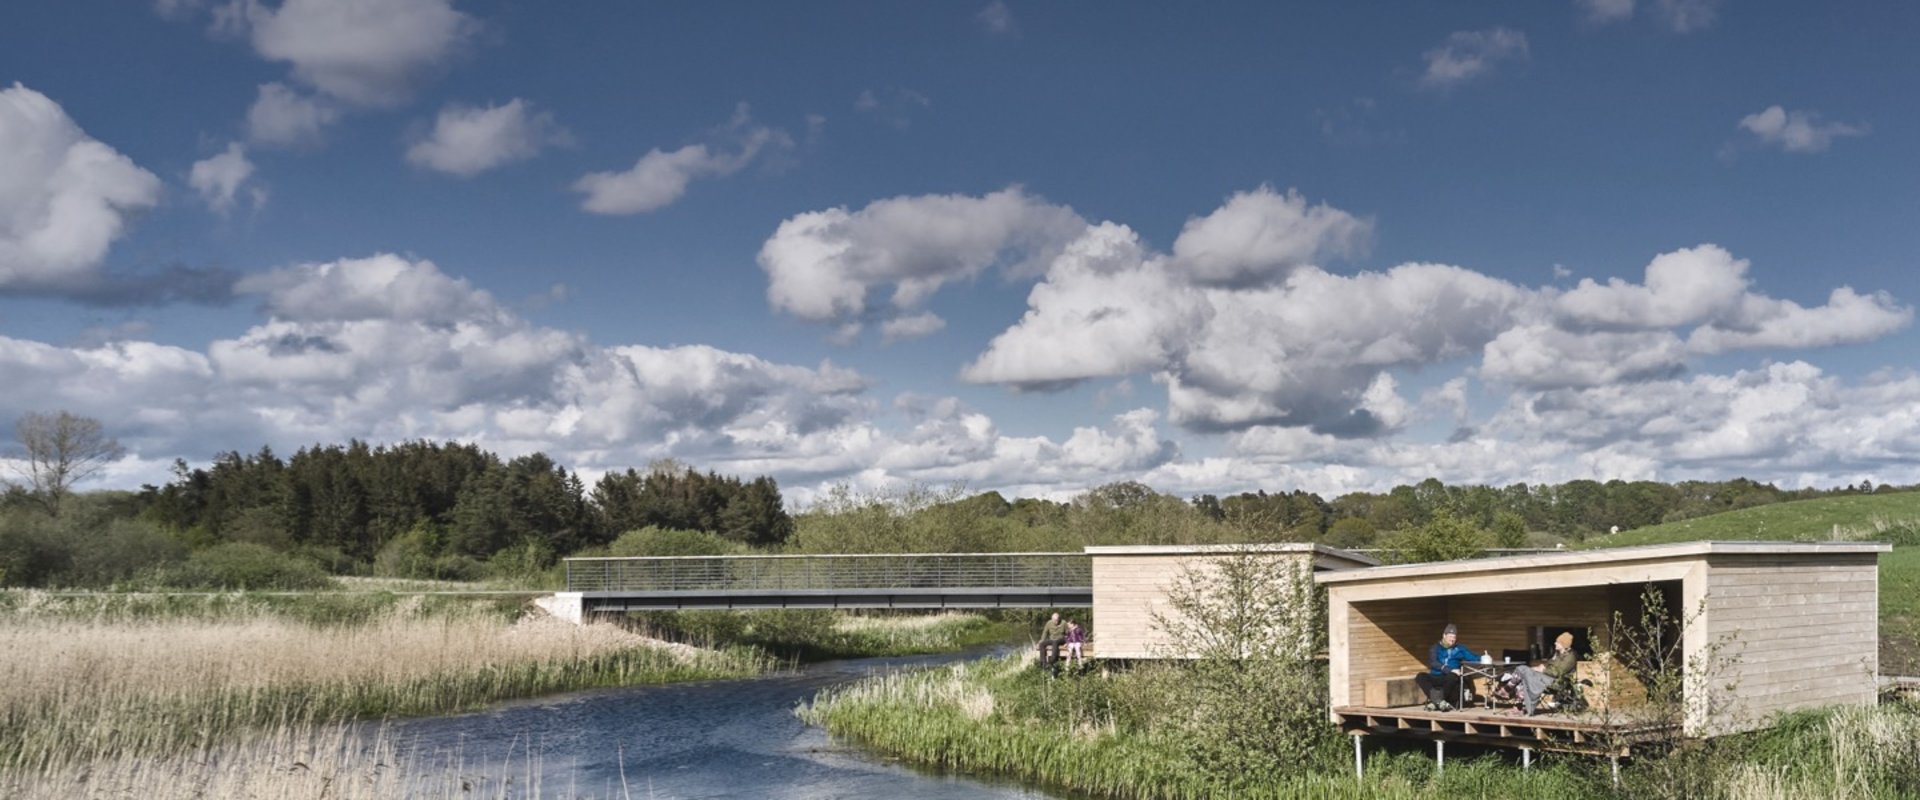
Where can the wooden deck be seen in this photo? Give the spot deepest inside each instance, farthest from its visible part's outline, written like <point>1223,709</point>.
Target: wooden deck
<point>1575,733</point>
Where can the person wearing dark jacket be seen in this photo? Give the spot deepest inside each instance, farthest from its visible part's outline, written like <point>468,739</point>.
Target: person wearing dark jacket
<point>1052,635</point>
<point>1441,681</point>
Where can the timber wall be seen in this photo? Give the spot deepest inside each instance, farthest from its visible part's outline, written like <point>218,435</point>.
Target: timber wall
<point>1789,634</point>
<point>1130,589</point>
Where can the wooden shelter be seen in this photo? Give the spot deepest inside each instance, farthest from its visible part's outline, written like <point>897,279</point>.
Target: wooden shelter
<point>1773,626</point>
<point>1130,586</point>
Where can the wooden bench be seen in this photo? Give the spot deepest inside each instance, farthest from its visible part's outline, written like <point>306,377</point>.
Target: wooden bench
<point>1393,692</point>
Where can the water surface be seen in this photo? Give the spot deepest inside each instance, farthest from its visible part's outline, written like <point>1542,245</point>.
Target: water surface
<point>711,739</point>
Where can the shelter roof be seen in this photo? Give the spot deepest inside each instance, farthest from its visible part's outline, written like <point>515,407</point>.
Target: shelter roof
<point>1678,551</point>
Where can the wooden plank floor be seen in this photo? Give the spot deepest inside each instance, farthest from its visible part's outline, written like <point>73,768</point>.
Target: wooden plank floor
<point>1581,733</point>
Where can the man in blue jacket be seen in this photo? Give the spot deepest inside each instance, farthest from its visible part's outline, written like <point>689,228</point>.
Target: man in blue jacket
<point>1441,681</point>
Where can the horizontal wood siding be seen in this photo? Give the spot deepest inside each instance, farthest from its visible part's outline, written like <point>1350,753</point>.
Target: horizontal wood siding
<point>1793,633</point>
<point>1389,638</point>
<point>1129,589</point>
<point>1495,622</point>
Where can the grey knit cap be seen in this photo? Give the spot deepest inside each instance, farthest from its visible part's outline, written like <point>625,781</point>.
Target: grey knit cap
<point>1450,629</point>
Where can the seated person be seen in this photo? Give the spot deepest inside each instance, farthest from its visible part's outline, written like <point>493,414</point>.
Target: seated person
<point>1555,676</point>
<point>1441,681</point>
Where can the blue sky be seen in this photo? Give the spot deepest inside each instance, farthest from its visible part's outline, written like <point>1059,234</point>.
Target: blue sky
<point>1027,247</point>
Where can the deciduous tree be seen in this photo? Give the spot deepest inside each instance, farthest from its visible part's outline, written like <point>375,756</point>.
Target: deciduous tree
<point>62,449</point>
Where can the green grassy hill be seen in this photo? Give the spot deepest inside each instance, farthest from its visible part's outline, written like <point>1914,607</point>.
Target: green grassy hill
<point>1868,516</point>
<point>1893,517</point>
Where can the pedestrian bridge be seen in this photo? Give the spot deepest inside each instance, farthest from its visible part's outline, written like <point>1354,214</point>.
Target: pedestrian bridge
<point>945,580</point>
<point>1127,587</point>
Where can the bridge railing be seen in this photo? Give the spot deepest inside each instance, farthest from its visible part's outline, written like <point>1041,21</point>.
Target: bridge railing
<point>829,572</point>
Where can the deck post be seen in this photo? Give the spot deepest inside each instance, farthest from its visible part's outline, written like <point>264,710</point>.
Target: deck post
<point>1615,758</point>
<point>1439,755</point>
<point>1359,765</point>
<point>1526,758</point>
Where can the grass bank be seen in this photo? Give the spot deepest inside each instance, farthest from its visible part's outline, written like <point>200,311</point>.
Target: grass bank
<point>126,676</point>
<point>1114,737</point>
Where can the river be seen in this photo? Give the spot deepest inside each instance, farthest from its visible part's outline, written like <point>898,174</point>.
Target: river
<point>711,739</point>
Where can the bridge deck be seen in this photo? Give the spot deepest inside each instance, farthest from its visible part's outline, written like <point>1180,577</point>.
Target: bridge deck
<point>946,580</point>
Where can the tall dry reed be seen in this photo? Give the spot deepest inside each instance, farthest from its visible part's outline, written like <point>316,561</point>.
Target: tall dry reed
<point>78,691</point>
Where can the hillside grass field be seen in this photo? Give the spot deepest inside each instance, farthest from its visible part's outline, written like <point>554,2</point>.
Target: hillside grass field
<point>1892,517</point>
<point>1857,517</point>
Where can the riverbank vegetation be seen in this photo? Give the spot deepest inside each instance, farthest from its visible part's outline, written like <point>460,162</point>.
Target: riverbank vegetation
<point>102,678</point>
<point>336,762</point>
<point>1134,735</point>
<point>818,634</point>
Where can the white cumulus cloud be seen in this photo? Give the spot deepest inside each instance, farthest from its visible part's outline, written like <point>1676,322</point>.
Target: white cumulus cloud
<point>378,287</point>
<point>218,178</point>
<point>283,117</point>
<point>468,140</point>
<point>1682,287</point>
<point>660,178</point>
<point>821,265</point>
<point>1467,55</point>
<point>361,52</point>
<point>1796,131</point>
<point>1325,351</point>
<point>64,196</point>
<point>1262,235</point>
<point>915,326</point>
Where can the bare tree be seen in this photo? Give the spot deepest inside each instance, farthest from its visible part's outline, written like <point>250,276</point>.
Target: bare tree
<point>62,449</point>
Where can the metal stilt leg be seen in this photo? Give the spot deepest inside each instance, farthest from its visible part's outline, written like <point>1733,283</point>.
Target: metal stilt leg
<point>1359,764</point>
<point>1526,758</point>
<point>1439,755</point>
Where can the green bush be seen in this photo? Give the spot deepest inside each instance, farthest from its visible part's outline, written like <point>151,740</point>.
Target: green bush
<point>332,559</point>
<point>240,565</point>
<point>657,541</point>
<point>529,563</point>
<point>122,550</point>
<point>419,554</point>
<point>31,552</point>
<point>704,628</point>
<point>1350,532</point>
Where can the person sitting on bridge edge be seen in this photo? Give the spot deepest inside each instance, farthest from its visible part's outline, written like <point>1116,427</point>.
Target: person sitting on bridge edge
<point>1052,635</point>
<point>1441,681</point>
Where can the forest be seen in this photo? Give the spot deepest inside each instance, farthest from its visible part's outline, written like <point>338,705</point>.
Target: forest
<point>454,511</point>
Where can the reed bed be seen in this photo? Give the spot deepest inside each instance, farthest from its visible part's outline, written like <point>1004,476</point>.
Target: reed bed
<point>919,633</point>
<point>76,691</point>
<point>334,762</point>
